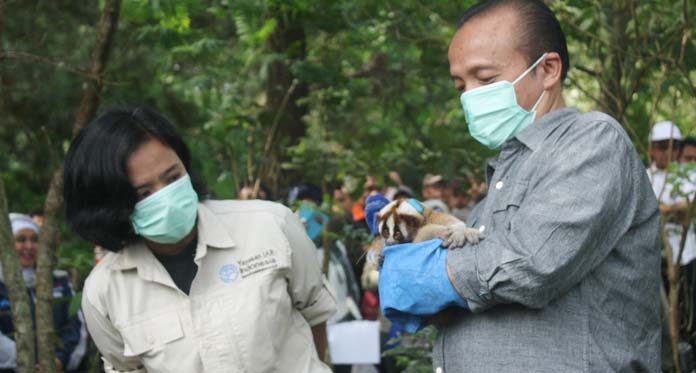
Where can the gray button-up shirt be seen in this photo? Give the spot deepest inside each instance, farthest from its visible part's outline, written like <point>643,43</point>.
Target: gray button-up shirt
<point>568,277</point>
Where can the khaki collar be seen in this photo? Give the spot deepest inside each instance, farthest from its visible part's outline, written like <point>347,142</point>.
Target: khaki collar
<point>211,232</point>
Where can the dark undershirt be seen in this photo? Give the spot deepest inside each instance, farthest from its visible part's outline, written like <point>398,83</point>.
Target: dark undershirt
<point>181,266</point>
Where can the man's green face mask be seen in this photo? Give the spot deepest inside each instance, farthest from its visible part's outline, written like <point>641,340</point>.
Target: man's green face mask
<point>493,114</point>
<point>168,215</point>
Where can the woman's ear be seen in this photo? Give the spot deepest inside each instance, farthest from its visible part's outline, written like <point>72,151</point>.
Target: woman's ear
<point>551,68</point>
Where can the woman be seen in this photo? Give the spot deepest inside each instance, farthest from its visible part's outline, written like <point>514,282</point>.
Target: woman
<point>190,284</point>
<point>67,328</point>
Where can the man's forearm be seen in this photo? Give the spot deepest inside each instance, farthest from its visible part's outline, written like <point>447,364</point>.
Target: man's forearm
<point>320,341</point>
<point>452,281</point>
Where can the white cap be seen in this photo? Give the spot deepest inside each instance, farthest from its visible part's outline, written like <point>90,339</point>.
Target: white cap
<point>21,221</point>
<point>664,131</point>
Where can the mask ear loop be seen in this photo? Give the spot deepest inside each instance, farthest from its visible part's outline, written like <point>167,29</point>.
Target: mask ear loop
<point>538,101</point>
<point>530,68</point>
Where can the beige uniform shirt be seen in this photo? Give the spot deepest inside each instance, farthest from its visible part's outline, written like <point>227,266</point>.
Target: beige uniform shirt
<point>257,292</point>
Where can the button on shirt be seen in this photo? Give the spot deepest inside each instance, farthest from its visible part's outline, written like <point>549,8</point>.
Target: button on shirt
<point>568,276</point>
<point>257,292</point>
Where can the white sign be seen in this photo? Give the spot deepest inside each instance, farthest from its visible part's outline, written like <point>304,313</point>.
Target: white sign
<point>354,342</point>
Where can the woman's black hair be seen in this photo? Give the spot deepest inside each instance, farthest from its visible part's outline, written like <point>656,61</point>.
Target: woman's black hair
<point>99,198</point>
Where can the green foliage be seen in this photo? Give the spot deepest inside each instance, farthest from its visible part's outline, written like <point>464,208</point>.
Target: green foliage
<point>412,352</point>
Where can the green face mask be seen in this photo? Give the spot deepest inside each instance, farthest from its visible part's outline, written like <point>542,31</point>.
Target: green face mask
<point>493,114</point>
<point>168,215</point>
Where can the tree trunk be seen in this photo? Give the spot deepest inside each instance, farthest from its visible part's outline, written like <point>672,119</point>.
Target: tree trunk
<point>106,30</point>
<point>11,268</point>
<point>19,299</point>
<point>288,40</point>
<point>612,93</point>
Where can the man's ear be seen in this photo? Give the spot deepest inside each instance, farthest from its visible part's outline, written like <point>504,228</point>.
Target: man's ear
<point>551,68</point>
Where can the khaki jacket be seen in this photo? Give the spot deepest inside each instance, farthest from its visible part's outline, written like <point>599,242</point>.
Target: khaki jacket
<point>257,292</point>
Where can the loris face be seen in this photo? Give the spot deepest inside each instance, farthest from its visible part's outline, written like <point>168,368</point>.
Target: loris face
<point>399,222</point>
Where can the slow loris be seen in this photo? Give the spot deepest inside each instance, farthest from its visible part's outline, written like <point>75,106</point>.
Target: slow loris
<point>407,220</point>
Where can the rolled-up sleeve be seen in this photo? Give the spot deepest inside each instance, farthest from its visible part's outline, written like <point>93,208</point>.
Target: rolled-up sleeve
<point>307,286</point>
<point>574,211</point>
<point>108,340</point>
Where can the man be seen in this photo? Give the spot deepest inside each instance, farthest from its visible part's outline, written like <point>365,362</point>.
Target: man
<point>434,190</point>
<point>568,276</point>
<point>665,144</point>
<point>666,147</point>
<point>688,151</point>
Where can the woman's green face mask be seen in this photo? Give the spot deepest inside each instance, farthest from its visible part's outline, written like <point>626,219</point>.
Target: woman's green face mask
<point>168,215</point>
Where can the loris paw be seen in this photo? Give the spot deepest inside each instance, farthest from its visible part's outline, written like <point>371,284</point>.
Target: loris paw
<point>376,257</point>
<point>458,235</point>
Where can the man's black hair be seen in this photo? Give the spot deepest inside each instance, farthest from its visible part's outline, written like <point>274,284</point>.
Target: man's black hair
<point>37,212</point>
<point>99,198</point>
<point>689,141</point>
<point>540,31</point>
<point>305,191</point>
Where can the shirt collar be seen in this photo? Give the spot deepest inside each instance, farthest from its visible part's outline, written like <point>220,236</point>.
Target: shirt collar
<point>534,135</point>
<point>211,232</point>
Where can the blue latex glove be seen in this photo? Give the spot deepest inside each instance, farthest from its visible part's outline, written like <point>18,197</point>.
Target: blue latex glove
<point>413,284</point>
<point>373,204</point>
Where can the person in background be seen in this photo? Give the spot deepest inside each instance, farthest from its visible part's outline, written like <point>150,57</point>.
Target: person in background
<point>246,191</point>
<point>458,200</point>
<point>307,198</point>
<point>354,234</point>
<point>344,204</point>
<point>37,216</point>
<point>665,149</point>
<point>26,236</point>
<point>190,284</point>
<point>397,189</point>
<point>434,191</point>
<point>688,151</point>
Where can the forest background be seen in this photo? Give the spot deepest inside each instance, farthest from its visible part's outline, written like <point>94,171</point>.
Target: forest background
<point>324,91</point>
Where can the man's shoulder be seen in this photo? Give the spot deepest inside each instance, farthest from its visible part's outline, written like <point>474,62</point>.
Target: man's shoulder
<point>593,130</point>
<point>603,121</point>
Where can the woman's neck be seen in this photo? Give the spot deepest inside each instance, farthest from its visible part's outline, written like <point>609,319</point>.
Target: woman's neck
<point>172,248</point>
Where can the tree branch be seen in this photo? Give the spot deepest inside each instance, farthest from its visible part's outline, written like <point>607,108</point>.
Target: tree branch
<point>19,299</point>
<point>106,30</point>
<point>271,137</point>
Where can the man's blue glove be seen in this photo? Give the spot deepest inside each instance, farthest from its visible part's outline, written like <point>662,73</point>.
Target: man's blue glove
<point>373,204</point>
<point>413,284</point>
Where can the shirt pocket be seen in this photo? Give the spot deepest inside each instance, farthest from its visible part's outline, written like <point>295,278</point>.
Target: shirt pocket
<point>506,203</point>
<point>149,338</point>
<point>251,315</point>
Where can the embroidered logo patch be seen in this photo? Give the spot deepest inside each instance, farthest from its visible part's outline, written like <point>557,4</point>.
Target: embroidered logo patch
<point>229,273</point>
<point>263,261</point>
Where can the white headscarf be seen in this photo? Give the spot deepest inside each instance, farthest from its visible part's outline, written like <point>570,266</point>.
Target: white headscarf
<point>21,221</point>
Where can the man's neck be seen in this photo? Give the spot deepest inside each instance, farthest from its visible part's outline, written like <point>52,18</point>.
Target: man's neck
<point>553,102</point>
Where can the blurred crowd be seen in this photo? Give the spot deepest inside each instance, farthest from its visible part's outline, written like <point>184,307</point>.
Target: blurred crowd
<point>672,172</point>
<point>335,219</point>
